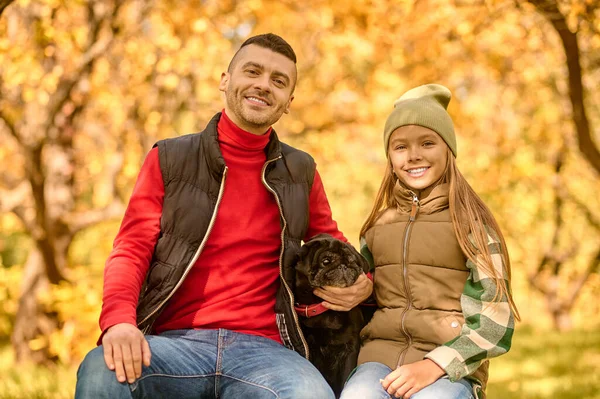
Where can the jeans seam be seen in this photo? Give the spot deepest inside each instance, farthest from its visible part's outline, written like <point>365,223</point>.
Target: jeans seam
<point>135,385</point>
<point>219,363</point>
<point>252,383</point>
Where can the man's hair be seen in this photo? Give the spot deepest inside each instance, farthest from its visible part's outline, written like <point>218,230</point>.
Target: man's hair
<point>269,41</point>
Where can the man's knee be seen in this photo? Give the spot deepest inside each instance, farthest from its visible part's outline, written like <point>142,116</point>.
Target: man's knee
<point>95,380</point>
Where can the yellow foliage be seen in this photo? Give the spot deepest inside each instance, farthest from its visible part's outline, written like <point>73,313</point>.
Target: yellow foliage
<point>159,77</point>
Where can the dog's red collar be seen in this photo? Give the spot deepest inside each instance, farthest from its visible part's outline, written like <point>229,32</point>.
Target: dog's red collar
<point>310,310</point>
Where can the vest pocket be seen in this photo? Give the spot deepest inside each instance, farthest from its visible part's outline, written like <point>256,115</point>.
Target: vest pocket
<point>159,274</point>
<point>453,325</point>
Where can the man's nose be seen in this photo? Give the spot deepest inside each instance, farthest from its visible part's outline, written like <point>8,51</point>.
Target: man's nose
<point>263,82</point>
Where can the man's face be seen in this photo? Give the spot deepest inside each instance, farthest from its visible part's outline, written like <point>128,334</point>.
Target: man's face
<point>258,89</point>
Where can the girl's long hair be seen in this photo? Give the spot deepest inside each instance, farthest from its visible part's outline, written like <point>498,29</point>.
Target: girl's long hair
<point>469,215</point>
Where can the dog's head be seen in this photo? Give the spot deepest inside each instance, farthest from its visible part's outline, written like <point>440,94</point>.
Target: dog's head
<point>325,260</point>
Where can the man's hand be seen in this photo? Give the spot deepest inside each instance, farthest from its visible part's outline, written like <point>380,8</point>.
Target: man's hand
<point>125,348</point>
<point>409,379</point>
<point>346,298</point>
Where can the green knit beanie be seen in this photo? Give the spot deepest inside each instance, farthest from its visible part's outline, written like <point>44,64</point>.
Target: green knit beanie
<point>423,106</point>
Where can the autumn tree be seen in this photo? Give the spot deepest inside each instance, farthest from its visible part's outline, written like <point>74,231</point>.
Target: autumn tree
<point>4,4</point>
<point>41,104</point>
<point>81,101</point>
<point>584,17</point>
<point>87,87</point>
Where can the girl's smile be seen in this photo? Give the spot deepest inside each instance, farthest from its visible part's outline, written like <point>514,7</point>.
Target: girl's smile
<point>418,156</point>
<point>417,172</point>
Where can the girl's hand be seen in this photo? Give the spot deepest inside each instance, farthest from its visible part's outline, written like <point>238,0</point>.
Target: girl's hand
<point>409,379</point>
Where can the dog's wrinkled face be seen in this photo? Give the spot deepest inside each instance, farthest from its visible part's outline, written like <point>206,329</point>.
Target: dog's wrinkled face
<point>330,262</point>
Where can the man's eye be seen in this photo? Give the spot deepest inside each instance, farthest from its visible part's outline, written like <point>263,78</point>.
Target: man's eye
<point>279,82</point>
<point>252,72</point>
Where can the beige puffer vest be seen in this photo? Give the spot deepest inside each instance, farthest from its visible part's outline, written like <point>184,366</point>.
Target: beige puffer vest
<point>420,274</point>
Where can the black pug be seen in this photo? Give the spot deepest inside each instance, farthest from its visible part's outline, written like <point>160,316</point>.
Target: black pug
<point>332,336</point>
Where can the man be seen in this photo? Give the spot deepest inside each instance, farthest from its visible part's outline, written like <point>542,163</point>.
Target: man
<point>204,258</point>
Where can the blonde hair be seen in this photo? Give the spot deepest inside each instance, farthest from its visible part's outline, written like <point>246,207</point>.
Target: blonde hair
<point>470,217</point>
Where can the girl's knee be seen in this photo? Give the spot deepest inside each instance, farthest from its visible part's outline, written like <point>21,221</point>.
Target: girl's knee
<point>364,392</point>
<point>364,382</point>
<point>313,389</point>
<point>444,389</point>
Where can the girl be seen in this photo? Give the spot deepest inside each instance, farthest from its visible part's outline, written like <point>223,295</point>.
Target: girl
<point>442,273</point>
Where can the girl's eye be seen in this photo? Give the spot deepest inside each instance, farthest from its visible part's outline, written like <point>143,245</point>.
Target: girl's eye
<point>428,143</point>
<point>400,147</point>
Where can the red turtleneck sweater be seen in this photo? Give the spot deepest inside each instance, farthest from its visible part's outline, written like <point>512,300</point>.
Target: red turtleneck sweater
<point>234,281</point>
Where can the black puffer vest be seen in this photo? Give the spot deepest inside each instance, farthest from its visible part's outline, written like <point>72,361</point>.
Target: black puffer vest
<point>194,175</point>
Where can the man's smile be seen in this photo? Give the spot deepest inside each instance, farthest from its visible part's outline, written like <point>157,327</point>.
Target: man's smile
<point>257,101</point>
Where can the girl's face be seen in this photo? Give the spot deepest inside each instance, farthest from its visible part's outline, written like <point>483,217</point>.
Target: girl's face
<point>418,156</point>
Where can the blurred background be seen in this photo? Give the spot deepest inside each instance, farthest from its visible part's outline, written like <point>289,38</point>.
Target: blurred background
<point>86,88</point>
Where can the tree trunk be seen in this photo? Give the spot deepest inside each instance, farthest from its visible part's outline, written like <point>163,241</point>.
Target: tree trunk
<point>50,215</point>
<point>33,324</point>
<point>562,320</point>
<point>590,151</point>
<point>4,4</point>
<point>32,320</point>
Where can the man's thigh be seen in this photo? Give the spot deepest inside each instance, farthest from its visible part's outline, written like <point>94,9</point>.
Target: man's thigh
<point>182,365</point>
<point>260,368</point>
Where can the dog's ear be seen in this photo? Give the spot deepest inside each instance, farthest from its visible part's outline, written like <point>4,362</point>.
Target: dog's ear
<point>304,260</point>
<point>319,238</point>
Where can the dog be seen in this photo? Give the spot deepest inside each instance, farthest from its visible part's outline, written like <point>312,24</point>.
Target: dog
<point>332,336</point>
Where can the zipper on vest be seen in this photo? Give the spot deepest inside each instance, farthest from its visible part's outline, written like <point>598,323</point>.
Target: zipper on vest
<point>196,255</point>
<point>287,288</point>
<point>413,214</point>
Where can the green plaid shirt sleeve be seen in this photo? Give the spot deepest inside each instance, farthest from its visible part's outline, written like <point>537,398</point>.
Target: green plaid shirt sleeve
<point>488,327</point>
<point>366,253</point>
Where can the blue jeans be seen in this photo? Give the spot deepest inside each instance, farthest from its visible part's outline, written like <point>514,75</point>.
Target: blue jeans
<point>364,384</point>
<point>208,364</point>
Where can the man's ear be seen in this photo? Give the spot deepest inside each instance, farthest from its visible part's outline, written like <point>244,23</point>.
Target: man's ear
<point>224,81</point>
<point>287,106</point>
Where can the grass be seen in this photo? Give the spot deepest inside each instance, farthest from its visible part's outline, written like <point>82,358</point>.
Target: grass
<point>34,382</point>
<point>546,364</point>
<point>540,365</point>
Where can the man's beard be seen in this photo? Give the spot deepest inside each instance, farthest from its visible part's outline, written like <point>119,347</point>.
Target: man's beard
<point>252,118</point>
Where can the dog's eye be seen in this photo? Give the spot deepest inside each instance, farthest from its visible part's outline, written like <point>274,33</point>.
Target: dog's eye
<point>326,261</point>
